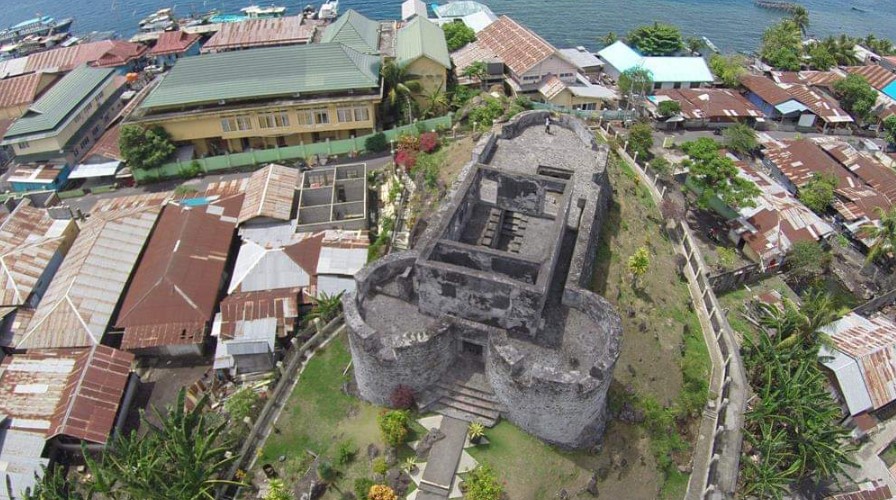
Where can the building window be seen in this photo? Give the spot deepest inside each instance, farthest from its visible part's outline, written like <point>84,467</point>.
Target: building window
<point>243,123</point>
<point>676,85</point>
<point>306,117</point>
<point>321,116</point>
<point>23,145</point>
<point>657,85</point>
<point>362,114</point>
<point>277,119</point>
<point>228,124</point>
<point>345,114</point>
<point>567,75</point>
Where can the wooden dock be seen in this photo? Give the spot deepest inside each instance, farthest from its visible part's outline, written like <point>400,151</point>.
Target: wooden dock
<point>777,5</point>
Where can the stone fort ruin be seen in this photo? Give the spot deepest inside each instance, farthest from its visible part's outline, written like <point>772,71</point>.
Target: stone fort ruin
<point>491,314</point>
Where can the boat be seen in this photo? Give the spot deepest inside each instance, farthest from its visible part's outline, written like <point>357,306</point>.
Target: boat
<point>159,16</point>
<point>329,10</point>
<point>256,12</point>
<point>39,26</point>
<point>711,46</point>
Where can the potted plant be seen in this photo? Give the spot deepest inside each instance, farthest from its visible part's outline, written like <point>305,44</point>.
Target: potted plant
<point>409,465</point>
<point>476,431</point>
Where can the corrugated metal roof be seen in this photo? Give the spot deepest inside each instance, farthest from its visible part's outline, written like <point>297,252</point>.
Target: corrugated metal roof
<point>270,193</point>
<point>78,305</point>
<point>334,285</point>
<point>29,240</point>
<point>260,33</point>
<point>270,267</point>
<point>551,87</point>
<point>520,48</point>
<point>698,104</point>
<point>343,261</point>
<point>241,311</point>
<point>663,69</point>
<point>71,392</point>
<point>876,75</point>
<point>871,342</point>
<point>175,42</point>
<point>22,465</point>
<point>766,89</point>
<point>581,57</point>
<point>69,95</point>
<point>421,38</point>
<point>172,297</point>
<point>105,53</point>
<point>411,8</point>
<point>265,72</point>
<point>355,31</point>
<point>20,90</point>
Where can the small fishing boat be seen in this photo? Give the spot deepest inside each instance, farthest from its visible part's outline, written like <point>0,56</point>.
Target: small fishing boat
<point>329,10</point>
<point>256,12</point>
<point>711,46</point>
<point>39,26</point>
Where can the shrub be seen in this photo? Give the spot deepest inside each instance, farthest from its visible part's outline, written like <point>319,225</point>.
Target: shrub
<point>346,452</point>
<point>362,487</point>
<point>482,484</point>
<point>394,426</point>
<point>668,108</point>
<point>402,397</point>
<point>457,35</point>
<point>278,491</point>
<point>429,142</point>
<point>241,403</point>
<point>484,115</point>
<point>381,492</point>
<point>379,466</point>
<point>406,159</point>
<point>409,142</point>
<point>377,143</point>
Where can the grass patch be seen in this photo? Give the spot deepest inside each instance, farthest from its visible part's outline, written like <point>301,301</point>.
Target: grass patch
<point>319,418</point>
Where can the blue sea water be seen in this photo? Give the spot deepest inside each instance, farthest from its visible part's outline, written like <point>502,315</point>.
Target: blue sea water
<point>733,25</point>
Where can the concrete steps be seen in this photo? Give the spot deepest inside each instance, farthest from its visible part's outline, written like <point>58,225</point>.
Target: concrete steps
<point>468,399</point>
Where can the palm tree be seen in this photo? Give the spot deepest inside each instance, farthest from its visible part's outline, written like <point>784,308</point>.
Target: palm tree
<point>326,307</point>
<point>638,265</point>
<point>883,236</point>
<point>400,87</point>
<point>437,102</point>
<point>52,486</point>
<point>610,38</point>
<point>794,325</point>
<point>800,16</point>
<point>477,71</point>
<point>842,48</point>
<point>180,458</point>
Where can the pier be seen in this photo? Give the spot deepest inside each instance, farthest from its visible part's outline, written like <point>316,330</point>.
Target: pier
<point>776,5</point>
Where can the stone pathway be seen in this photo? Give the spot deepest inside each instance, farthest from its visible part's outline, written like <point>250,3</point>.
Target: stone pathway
<point>437,479</point>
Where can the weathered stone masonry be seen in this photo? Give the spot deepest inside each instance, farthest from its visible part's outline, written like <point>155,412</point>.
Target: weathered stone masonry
<point>506,264</point>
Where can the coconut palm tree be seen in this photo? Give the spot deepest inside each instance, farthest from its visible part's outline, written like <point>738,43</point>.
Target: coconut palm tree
<point>477,71</point>
<point>800,16</point>
<point>792,325</point>
<point>401,86</point>
<point>694,44</point>
<point>842,48</point>
<point>437,102</point>
<point>326,307</point>
<point>883,236</point>
<point>609,39</point>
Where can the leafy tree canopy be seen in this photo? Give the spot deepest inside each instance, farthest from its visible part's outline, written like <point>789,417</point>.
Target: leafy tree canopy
<point>715,175</point>
<point>657,39</point>
<point>640,139</point>
<point>457,35</point>
<point>728,69</point>
<point>668,108</point>
<point>636,81</point>
<point>782,45</point>
<point>821,58</point>
<point>856,95</point>
<point>741,139</point>
<point>889,128</point>
<point>145,148</point>
<point>818,193</point>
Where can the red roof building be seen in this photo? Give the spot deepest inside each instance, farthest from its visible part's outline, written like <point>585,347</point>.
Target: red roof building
<point>66,393</point>
<point>174,43</point>
<point>102,54</point>
<point>17,93</point>
<point>711,105</point>
<point>253,33</point>
<point>171,301</point>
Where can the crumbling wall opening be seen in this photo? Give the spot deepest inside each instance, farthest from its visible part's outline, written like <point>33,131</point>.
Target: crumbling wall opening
<point>486,261</point>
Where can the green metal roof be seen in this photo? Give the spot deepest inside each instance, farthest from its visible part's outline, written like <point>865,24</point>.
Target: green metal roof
<point>356,31</point>
<point>58,103</point>
<point>421,38</point>
<point>268,72</point>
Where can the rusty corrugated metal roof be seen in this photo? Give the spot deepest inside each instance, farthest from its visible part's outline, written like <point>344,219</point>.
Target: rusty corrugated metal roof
<point>698,104</point>
<point>270,193</point>
<point>872,343</point>
<point>172,297</point>
<point>71,392</point>
<point>260,33</point>
<point>78,306</point>
<point>243,307</point>
<point>876,75</point>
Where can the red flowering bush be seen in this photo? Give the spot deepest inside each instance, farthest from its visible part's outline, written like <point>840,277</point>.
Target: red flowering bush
<point>429,142</point>
<point>406,159</point>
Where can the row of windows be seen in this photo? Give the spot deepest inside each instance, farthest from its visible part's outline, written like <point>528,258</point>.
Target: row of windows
<point>281,119</point>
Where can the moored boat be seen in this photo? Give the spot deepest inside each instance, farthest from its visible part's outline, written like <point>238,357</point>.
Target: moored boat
<point>39,26</point>
<point>257,12</point>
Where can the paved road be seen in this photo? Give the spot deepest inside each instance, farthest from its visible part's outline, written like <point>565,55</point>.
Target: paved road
<point>690,135</point>
<point>86,203</point>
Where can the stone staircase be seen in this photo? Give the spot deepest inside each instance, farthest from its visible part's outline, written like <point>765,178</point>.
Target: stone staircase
<point>465,397</point>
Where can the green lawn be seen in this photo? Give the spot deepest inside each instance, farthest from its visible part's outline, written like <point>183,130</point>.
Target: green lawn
<point>319,417</point>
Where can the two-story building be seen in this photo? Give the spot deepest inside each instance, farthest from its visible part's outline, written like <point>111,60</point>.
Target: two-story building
<point>420,47</point>
<point>264,98</point>
<point>666,72</point>
<point>66,121</point>
<point>172,45</point>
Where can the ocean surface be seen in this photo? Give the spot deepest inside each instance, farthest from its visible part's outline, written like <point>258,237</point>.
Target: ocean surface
<point>733,25</point>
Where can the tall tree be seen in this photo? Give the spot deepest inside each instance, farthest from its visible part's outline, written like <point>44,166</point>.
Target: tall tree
<point>657,39</point>
<point>635,83</point>
<point>609,39</point>
<point>715,175</point>
<point>695,44</point>
<point>145,148</point>
<point>856,95</point>
<point>818,193</point>
<point>728,68</point>
<point>741,138</point>
<point>882,236</point>
<point>401,86</point>
<point>807,261</point>
<point>820,57</point>
<point>842,49</point>
<point>889,129</point>
<point>782,45</point>
<point>640,139</point>
<point>800,17</point>
<point>457,35</point>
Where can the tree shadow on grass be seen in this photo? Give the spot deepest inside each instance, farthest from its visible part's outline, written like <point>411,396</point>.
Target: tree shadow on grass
<point>609,231</point>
